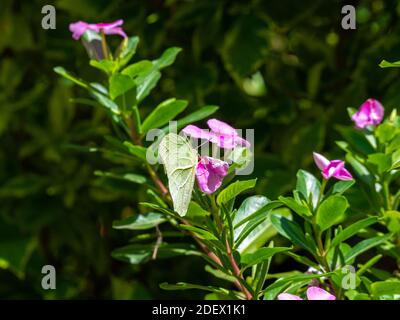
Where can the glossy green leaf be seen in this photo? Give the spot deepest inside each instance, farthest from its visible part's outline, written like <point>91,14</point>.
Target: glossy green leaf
<point>386,289</point>
<point>365,245</point>
<point>308,186</point>
<point>342,186</point>
<point>167,58</point>
<point>131,177</point>
<point>61,71</point>
<point>105,65</point>
<point>352,230</point>
<point>234,189</point>
<point>120,84</point>
<point>382,161</point>
<point>127,51</point>
<point>200,114</point>
<point>260,255</point>
<point>387,64</point>
<point>140,221</point>
<point>301,210</point>
<point>189,286</point>
<point>141,253</point>
<point>137,151</point>
<point>331,211</point>
<point>292,231</point>
<point>163,113</point>
<point>201,233</point>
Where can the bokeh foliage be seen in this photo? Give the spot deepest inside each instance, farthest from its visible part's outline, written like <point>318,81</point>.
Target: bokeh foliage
<point>284,68</point>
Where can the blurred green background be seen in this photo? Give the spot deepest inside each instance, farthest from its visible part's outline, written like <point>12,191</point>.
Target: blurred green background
<point>283,67</point>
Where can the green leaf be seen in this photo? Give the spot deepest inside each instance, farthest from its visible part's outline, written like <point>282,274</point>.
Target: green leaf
<point>260,255</point>
<point>341,186</point>
<point>393,220</point>
<point>145,83</point>
<point>396,159</point>
<point>387,64</point>
<point>234,190</point>
<point>195,210</point>
<point>163,113</point>
<point>105,65</point>
<point>291,231</point>
<point>200,114</point>
<point>137,69</point>
<point>131,177</point>
<point>308,186</point>
<point>141,253</point>
<point>201,233</point>
<point>301,210</point>
<point>137,151</point>
<point>352,230</point>
<point>167,58</point>
<point>331,211</point>
<point>188,286</point>
<point>220,274</point>
<point>105,102</point>
<point>140,221</point>
<point>278,286</point>
<point>386,132</point>
<point>252,227</point>
<point>120,84</point>
<point>382,161</point>
<point>360,169</point>
<point>386,290</point>
<point>252,208</point>
<point>356,139</point>
<point>61,71</point>
<point>180,160</point>
<point>127,51</point>
<point>365,245</point>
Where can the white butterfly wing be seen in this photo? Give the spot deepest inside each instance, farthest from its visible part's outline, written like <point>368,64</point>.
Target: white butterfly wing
<point>179,159</point>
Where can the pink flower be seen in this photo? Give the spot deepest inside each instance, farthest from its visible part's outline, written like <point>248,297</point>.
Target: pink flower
<point>370,113</point>
<point>80,27</point>
<point>221,134</point>
<point>333,168</point>
<point>209,173</point>
<point>313,293</point>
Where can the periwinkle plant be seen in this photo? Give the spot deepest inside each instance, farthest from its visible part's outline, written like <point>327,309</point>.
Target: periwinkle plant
<point>236,241</point>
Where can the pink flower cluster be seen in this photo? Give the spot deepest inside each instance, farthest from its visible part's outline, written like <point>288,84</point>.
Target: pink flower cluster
<point>370,114</point>
<point>210,171</point>
<point>313,293</point>
<point>80,27</point>
<point>331,168</point>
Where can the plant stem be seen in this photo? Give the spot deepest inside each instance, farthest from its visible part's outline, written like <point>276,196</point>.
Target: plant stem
<point>235,267</point>
<point>321,191</point>
<point>164,191</point>
<point>104,45</point>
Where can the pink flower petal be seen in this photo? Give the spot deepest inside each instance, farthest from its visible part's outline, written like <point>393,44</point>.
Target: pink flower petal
<point>343,174</point>
<point>370,113</point>
<point>221,128</point>
<point>80,27</point>
<point>288,296</point>
<point>198,133</point>
<point>209,173</point>
<point>316,293</point>
<point>227,137</point>
<point>320,161</point>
